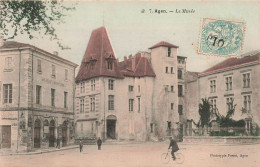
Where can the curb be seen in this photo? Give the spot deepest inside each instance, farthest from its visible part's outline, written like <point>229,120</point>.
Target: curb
<point>39,152</point>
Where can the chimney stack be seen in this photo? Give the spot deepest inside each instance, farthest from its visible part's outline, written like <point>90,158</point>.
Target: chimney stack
<point>125,58</point>
<point>130,56</point>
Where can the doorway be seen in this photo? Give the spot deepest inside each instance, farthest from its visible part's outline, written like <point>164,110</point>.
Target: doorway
<point>52,133</point>
<point>37,134</point>
<point>64,133</point>
<point>111,129</point>
<point>6,136</point>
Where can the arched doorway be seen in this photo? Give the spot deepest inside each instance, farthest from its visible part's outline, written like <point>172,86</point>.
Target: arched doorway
<point>37,133</point>
<point>111,127</point>
<point>64,133</point>
<point>52,133</point>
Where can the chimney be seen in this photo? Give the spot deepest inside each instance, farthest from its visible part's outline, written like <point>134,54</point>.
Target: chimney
<point>125,58</point>
<point>55,53</point>
<point>133,64</point>
<point>1,41</point>
<point>130,56</point>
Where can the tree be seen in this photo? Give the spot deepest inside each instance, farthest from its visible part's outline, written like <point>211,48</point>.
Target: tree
<point>26,17</point>
<point>204,112</point>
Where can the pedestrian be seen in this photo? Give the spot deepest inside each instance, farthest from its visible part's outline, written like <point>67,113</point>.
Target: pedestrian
<point>58,143</point>
<point>174,146</point>
<point>80,146</point>
<point>99,142</point>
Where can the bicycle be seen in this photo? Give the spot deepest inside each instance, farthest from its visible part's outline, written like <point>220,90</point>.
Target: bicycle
<point>165,157</point>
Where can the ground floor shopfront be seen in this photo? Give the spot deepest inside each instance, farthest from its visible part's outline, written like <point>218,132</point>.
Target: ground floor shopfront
<point>28,130</point>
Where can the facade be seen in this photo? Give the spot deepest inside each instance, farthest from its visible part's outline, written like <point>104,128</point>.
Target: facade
<point>234,81</point>
<point>36,98</point>
<point>135,99</point>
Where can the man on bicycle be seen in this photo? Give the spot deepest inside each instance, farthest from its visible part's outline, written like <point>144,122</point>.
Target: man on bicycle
<point>174,146</point>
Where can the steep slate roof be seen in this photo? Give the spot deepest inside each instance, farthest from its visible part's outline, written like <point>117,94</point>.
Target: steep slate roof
<point>137,66</point>
<point>166,44</point>
<point>94,62</point>
<point>99,50</point>
<point>17,45</point>
<point>233,62</point>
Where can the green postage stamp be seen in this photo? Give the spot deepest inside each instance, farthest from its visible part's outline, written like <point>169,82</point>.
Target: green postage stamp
<point>221,37</point>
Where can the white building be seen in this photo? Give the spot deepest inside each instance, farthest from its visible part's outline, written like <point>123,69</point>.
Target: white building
<point>36,98</point>
<point>136,99</point>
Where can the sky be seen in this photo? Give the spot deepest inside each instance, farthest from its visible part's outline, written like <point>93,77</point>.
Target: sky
<point>131,31</point>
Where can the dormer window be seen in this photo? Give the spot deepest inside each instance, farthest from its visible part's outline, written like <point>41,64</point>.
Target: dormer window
<point>92,62</point>
<point>110,62</point>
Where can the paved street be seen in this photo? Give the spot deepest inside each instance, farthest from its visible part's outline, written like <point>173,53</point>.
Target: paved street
<point>140,155</point>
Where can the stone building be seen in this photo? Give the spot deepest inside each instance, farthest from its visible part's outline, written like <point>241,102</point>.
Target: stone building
<point>235,81</point>
<point>135,99</point>
<point>36,98</point>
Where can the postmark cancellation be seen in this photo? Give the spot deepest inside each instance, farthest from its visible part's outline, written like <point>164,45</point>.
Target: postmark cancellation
<point>221,37</point>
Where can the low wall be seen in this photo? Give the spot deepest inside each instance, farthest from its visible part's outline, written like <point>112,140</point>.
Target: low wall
<point>222,140</point>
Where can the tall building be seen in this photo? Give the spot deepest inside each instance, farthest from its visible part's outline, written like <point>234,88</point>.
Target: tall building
<point>233,82</point>
<point>135,99</point>
<point>36,98</point>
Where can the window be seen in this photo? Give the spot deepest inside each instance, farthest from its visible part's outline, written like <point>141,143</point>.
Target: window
<point>8,96</point>
<point>169,52</point>
<point>92,104</point>
<point>110,84</point>
<point>110,64</point>
<point>179,74</point>
<point>228,83</point>
<point>53,71</point>
<point>65,99</point>
<point>180,91</point>
<point>166,69</point>
<point>93,85</point>
<point>131,104</point>
<point>166,87</point>
<point>151,126</point>
<point>66,74</point>
<point>229,103</point>
<point>130,88</point>
<point>38,94</point>
<point>213,104</point>
<point>39,66</point>
<point>110,102</point>
<point>171,106</point>
<point>172,70</point>
<point>53,97</point>
<point>169,125</point>
<point>139,104</point>
<point>213,86</point>
<point>82,104</point>
<point>82,87</point>
<point>180,109</point>
<point>172,88</point>
<point>8,62</point>
<point>247,102</point>
<point>246,80</point>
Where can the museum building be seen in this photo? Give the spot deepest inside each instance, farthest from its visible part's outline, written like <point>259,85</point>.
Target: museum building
<point>36,98</point>
<point>139,98</point>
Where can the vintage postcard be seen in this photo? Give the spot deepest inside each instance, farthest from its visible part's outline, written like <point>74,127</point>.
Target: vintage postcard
<point>129,84</point>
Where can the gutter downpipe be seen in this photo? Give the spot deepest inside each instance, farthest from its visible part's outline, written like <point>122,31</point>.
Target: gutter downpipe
<point>19,96</point>
<point>104,132</point>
